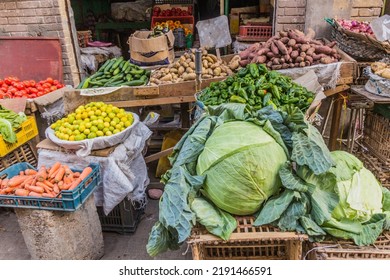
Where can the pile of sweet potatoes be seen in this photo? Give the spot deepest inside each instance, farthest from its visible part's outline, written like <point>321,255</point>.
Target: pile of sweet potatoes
<point>290,49</point>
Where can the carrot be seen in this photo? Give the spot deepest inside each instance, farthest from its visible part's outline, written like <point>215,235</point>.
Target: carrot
<point>2,192</point>
<point>35,189</point>
<point>28,180</point>
<point>48,195</point>
<point>1,180</point>
<point>21,173</point>
<point>30,172</point>
<point>67,170</point>
<point>9,190</point>
<point>54,168</point>
<point>53,175</point>
<point>60,174</point>
<point>5,182</point>
<point>49,184</point>
<point>46,188</point>
<point>35,194</point>
<point>22,192</point>
<point>75,184</point>
<point>15,181</point>
<point>76,174</point>
<point>68,180</point>
<point>42,175</point>
<point>85,173</point>
<point>56,189</point>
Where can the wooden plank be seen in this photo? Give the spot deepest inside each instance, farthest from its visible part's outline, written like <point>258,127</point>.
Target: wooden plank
<point>254,235</point>
<point>335,125</point>
<point>158,155</point>
<point>146,91</point>
<point>335,90</point>
<point>294,249</point>
<point>154,101</point>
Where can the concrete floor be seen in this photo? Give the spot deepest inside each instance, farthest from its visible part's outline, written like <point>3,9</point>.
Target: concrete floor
<point>117,246</point>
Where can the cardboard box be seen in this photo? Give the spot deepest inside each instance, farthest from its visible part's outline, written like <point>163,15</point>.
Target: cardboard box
<point>152,51</point>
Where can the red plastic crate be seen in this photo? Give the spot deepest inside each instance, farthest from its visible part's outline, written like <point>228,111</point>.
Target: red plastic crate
<point>255,32</point>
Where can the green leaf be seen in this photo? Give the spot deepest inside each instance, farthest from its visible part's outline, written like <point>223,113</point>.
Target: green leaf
<point>274,208</point>
<point>216,221</point>
<point>175,212</point>
<point>291,181</point>
<point>386,207</point>
<point>289,220</point>
<point>323,203</point>
<point>311,228</point>
<point>160,240</point>
<point>310,150</point>
<point>368,234</point>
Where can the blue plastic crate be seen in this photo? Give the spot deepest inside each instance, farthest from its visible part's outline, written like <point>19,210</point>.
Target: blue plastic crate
<point>70,200</point>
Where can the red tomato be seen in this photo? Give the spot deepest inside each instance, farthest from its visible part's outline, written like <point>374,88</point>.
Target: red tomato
<point>60,86</point>
<point>19,86</point>
<point>12,90</point>
<point>18,94</point>
<point>32,83</point>
<point>55,82</point>
<point>46,85</point>
<point>32,95</point>
<point>46,90</point>
<point>40,93</point>
<point>34,91</point>
<point>23,92</point>
<point>1,82</point>
<point>27,83</point>
<point>53,88</point>
<point>50,80</point>
<point>39,88</point>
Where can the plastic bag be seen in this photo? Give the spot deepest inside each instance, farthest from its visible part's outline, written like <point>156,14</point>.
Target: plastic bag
<point>381,28</point>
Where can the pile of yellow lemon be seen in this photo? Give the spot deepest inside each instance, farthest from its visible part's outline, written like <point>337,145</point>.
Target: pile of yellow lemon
<point>93,120</point>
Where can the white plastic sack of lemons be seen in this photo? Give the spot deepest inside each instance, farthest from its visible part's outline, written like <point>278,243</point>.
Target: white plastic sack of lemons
<point>92,127</point>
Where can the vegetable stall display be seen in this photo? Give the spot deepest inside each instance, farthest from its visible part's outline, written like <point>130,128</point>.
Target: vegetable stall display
<point>258,87</point>
<point>228,163</point>
<point>116,72</point>
<point>46,182</point>
<point>289,49</point>
<point>9,121</point>
<point>12,87</point>
<point>356,26</point>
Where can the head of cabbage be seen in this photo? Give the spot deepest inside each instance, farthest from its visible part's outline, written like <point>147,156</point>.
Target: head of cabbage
<point>241,163</point>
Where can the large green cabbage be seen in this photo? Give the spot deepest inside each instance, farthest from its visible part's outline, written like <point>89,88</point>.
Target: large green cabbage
<point>241,163</point>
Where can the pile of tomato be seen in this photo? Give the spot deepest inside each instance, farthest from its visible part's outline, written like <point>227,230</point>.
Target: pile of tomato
<point>12,87</point>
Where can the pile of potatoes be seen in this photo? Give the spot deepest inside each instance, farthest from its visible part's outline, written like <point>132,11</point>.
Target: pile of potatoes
<point>184,69</point>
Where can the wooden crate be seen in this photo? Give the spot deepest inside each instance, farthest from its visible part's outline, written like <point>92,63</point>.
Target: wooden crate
<point>25,153</point>
<point>347,250</point>
<point>348,69</point>
<point>247,242</point>
<point>377,136</point>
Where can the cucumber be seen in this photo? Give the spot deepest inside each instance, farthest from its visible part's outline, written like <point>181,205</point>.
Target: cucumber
<point>109,66</point>
<point>116,71</point>
<point>96,75</point>
<point>137,72</point>
<point>80,86</point>
<point>101,69</point>
<point>144,78</point>
<point>134,83</point>
<point>116,64</point>
<point>86,83</point>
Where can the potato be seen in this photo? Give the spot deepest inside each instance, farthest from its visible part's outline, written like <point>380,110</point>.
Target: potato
<point>184,58</point>
<point>209,59</point>
<point>189,76</point>
<point>210,71</point>
<point>217,71</point>
<point>205,63</point>
<point>173,70</point>
<point>192,65</point>
<point>181,70</point>
<point>206,76</point>
<point>189,70</point>
<point>188,60</point>
<point>167,77</point>
<point>185,64</point>
<point>234,64</point>
<point>176,65</point>
<point>192,56</point>
<point>215,65</point>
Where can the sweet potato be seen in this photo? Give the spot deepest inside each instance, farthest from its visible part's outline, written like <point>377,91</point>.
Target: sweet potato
<point>282,60</point>
<point>294,54</point>
<point>326,60</point>
<point>307,63</point>
<point>331,44</point>
<point>276,61</point>
<point>276,67</point>
<point>283,34</point>
<point>287,58</point>
<point>316,42</point>
<point>285,40</point>
<point>269,64</point>
<point>299,59</point>
<point>251,56</point>
<point>302,54</point>
<point>309,58</point>
<point>291,65</point>
<point>285,66</point>
<point>244,62</point>
<point>310,51</point>
<point>297,37</point>
<point>292,42</point>
<point>261,59</point>
<point>274,48</point>
<point>305,47</point>
<point>263,51</point>
<point>270,54</point>
<point>310,34</point>
<point>318,56</point>
<point>302,64</point>
<point>282,48</point>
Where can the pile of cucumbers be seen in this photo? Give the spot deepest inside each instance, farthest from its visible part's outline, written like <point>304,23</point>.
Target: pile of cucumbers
<point>116,72</point>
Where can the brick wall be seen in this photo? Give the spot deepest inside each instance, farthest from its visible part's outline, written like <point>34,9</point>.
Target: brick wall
<point>290,14</point>
<point>46,18</point>
<point>366,10</point>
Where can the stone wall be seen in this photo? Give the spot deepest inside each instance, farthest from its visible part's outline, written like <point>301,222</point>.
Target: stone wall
<point>41,18</point>
<point>290,14</point>
<point>366,10</point>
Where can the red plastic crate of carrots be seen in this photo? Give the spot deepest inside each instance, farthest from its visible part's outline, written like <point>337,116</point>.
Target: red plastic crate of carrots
<point>46,182</point>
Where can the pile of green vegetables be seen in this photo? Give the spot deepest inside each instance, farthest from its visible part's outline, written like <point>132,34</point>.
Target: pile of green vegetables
<point>272,164</point>
<point>258,87</point>
<point>9,120</point>
<point>116,72</point>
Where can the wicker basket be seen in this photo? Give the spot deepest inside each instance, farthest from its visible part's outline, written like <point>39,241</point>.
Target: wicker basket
<point>247,242</point>
<point>377,136</point>
<point>359,46</point>
<point>346,250</point>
